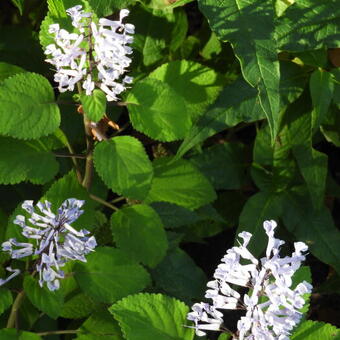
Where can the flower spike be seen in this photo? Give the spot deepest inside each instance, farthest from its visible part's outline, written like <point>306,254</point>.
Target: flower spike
<point>56,241</point>
<point>271,304</point>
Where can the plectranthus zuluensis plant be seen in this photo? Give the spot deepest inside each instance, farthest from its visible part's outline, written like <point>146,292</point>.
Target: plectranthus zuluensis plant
<point>271,306</point>
<point>96,54</point>
<point>54,241</point>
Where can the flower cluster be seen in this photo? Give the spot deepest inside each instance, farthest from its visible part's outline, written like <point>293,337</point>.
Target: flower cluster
<point>55,240</point>
<point>96,54</point>
<point>271,305</point>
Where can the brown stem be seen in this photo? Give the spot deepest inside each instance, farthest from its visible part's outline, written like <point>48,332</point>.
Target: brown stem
<point>89,154</point>
<point>13,316</point>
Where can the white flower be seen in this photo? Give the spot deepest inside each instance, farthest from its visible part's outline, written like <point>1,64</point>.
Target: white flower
<point>271,305</point>
<point>96,55</point>
<point>56,241</point>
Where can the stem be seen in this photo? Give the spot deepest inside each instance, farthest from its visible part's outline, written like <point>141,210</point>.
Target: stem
<point>74,155</point>
<point>101,201</point>
<point>65,331</point>
<point>89,155</point>
<point>116,200</point>
<point>74,161</point>
<point>12,320</point>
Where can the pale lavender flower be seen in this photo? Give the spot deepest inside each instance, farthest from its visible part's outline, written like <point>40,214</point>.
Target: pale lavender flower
<point>96,55</point>
<point>271,304</point>
<point>55,241</point>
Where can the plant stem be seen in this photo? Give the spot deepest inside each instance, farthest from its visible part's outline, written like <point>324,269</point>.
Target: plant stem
<point>12,320</point>
<point>74,161</point>
<point>89,154</point>
<point>116,200</point>
<point>65,331</point>
<point>57,154</point>
<point>103,202</point>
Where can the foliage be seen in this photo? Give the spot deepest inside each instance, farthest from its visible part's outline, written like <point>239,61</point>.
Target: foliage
<point>232,119</point>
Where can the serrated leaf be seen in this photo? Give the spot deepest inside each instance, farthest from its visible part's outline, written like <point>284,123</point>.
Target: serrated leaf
<point>179,276</point>
<point>259,207</point>
<point>313,166</point>
<point>223,164</point>
<point>236,103</point>
<point>20,161</point>
<point>110,274</point>
<point>15,334</point>
<point>6,299</point>
<point>321,88</point>
<point>104,8</point>
<point>314,227</point>
<point>311,330</point>
<point>198,85</point>
<point>309,25</point>
<point>94,105</point>
<point>139,231</point>
<point>124,166</point>
<point>28,109</point>
<point>78,306</point>
<point>156,110</point>
<point>152,316</point>
<point>250,29</point>
<point>181,183</point>
<point>9,70</point>
<point>49,302</point>
<point>69,187</point>
<point>102,324</point>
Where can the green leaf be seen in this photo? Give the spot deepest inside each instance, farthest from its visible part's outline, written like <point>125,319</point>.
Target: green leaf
<point>15,334</point>
<point>198,85</point>
<point>139,231</point>
<point>314,227</point>
<point>78,306</point>
<point>173,215</point>
<point>57,15</point>
<point>150,43</point>
<point>6,299</point>
<point>152,316</point>
<point>104,8</point>
<point>309,25</point>
<point>212,48</point>
<point>181,183</point>
<point>311,330</point>
<point>110,274</point>
<point>156,110</point>
<point>223,164</point>
<point>28,109</point>
<point>101,323</point>
<point>179,3</point>
<point>9,70</point>
<point>21,161</point>
<point>179,276</point>
<point>313,166</point>
<point>69,187</point>
<point>321,89</point>
<point>237,103</point>
<point>94,105</point>
<point>259,207</point>
<point>124,166</point>
<point>292,82</point>
<point>49,302</point>
<point>250,29</point>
